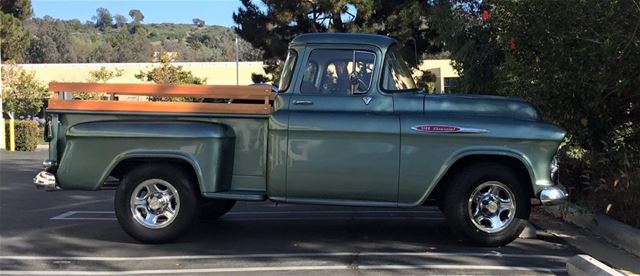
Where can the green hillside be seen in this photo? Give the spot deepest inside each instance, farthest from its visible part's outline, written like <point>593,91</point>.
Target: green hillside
<point>69,41</point>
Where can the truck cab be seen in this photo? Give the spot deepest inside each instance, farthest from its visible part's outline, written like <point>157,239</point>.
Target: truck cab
<point>340,120</point>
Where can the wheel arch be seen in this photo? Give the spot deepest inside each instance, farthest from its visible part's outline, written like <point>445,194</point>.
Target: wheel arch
<point>514,161</point>
<point>127,161</point>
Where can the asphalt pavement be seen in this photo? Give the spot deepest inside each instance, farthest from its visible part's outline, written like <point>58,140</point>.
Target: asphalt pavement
<point>75,233</point>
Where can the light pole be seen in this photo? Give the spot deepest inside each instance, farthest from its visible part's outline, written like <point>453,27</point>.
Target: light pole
<point>237,63</point>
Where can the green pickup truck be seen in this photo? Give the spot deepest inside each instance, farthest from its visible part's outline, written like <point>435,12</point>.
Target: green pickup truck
<point>348,127</point>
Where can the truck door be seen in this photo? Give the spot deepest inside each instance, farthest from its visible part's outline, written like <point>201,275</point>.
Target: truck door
<point>343,136</point>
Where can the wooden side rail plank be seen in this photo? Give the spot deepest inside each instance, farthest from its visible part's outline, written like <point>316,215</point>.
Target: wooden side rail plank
<point>161,107</point>
<point>170,90</point>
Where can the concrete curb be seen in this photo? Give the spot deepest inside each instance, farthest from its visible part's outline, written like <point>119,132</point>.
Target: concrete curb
<point>585,265</point>
<point>622,235</point>
<point>529,232</point>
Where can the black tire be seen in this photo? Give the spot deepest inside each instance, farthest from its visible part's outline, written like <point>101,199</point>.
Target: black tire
<point>185,215</point>
<point>457,200</point>
<point>211,209</point>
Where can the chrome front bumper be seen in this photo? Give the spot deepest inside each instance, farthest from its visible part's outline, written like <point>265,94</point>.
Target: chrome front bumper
<point>45,181</point>
<point>553,195</point>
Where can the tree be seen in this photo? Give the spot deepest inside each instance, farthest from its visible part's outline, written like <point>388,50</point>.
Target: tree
<point>168,73</point>
<point>136,15</point>
<point>103,19</point>
<point>271,28</point>
<point>127,47</point>
<point>22,93</point>
<point>591,68</point>
<point>13,38</point>
<point>472,43</point>
<point>121,21</point>
<point>102,75</point>
<point>198,22</point>
<point>20,9</point>
<point>50,41</point>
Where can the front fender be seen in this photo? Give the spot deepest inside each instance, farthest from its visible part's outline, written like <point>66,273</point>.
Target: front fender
<point>480,151</point>
<point>538,175</point>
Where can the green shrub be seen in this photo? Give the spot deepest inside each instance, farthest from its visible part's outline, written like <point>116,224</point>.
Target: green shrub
<point>26,133</point>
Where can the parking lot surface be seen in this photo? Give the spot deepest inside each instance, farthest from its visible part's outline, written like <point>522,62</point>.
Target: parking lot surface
<point>72,232</point>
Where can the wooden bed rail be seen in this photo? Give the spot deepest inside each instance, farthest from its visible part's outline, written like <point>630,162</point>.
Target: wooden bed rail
<point>259,97</point>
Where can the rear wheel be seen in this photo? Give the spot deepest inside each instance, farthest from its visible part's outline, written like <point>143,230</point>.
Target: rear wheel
<point>156,203</point>
<point>487,205</point>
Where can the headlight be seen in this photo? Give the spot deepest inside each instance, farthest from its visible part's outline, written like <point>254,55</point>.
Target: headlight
<point>553,169</point>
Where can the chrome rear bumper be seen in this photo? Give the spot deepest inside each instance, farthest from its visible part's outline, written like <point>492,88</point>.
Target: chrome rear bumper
<point>45,181</point>
<point>553,195</point>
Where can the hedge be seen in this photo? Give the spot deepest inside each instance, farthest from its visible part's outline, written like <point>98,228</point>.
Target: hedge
<point>26,133</point>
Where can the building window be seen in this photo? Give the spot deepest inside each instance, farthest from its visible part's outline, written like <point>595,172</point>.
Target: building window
<point>450,84</point>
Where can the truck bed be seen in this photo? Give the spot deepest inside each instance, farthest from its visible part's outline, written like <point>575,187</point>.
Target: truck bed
<point>200,131</point>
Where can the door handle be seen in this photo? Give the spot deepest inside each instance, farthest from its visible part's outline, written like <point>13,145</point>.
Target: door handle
<point>305,102</point>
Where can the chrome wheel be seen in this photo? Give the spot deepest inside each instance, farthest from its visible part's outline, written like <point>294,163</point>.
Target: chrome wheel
<point>492,206</point>
<point>154,203</point>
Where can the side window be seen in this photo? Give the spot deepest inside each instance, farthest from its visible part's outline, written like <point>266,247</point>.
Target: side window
<point>334,72</point>
<point>287,71</point>
<point>396,75</point>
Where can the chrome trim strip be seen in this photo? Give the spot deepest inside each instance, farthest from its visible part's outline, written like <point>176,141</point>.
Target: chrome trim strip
<point>447,129</point>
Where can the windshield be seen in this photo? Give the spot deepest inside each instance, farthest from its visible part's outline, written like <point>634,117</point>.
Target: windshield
<point>287,71</point>
<point>396,75</point>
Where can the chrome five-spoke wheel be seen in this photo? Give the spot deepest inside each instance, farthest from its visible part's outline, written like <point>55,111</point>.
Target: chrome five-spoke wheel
<point>492,206</point>
<point>487,204</point>
<point>155,203</point>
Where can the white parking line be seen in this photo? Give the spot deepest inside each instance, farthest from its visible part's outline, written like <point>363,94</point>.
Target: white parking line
<point>66,215</point>
<point>288,255</point>
<point>456,267</point>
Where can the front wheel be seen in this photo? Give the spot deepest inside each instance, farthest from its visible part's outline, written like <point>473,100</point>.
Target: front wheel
<point>156,203</point>
<point>487,204</point>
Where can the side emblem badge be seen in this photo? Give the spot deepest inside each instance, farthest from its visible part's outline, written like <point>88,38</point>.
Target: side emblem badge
<point>447,129</point>
<point>366,100</point>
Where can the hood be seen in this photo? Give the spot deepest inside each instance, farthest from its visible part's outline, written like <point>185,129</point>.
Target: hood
<point>481,105</point>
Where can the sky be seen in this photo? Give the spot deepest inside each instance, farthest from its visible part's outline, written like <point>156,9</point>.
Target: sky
<point>213,12</point>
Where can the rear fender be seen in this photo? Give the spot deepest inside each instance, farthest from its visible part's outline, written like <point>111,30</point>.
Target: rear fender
<point>94,149</point>
<point>156,156</point>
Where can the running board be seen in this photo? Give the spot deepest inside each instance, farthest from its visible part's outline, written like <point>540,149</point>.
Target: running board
<point>238,195</point>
